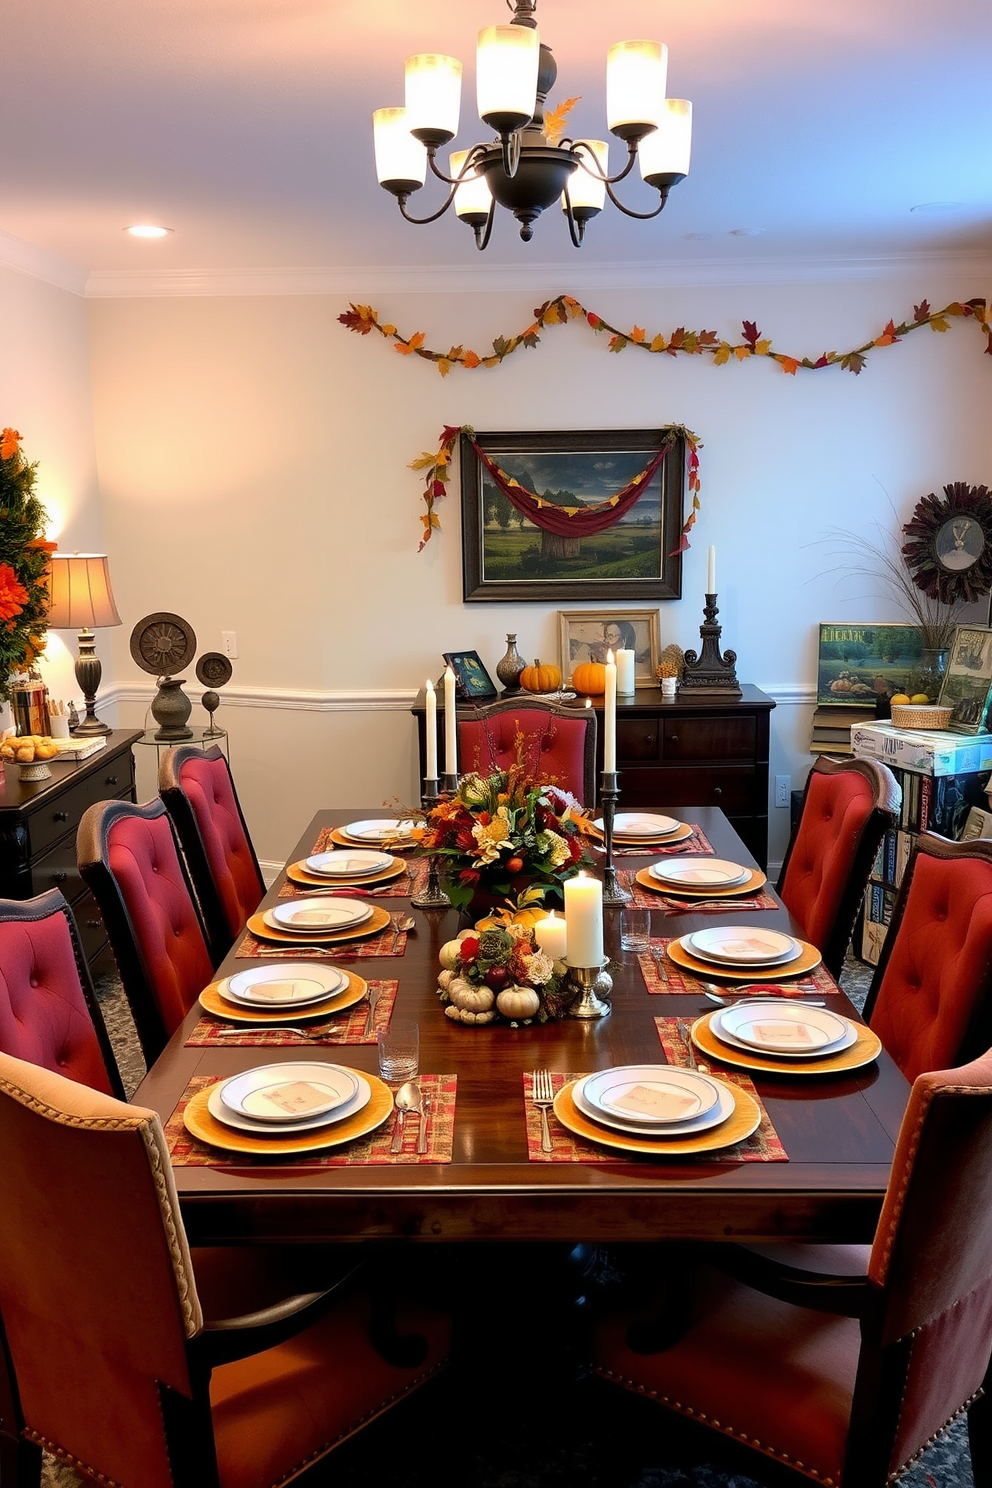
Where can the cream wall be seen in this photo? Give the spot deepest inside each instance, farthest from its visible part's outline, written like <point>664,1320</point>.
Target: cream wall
<point>253,469</point>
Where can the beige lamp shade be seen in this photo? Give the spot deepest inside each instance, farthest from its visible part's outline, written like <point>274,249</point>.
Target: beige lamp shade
<point>80,594</point>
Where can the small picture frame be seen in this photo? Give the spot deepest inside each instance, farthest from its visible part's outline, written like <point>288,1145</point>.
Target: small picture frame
<point>474,684</point>
<point>587,635</point>
<point>967,684</point>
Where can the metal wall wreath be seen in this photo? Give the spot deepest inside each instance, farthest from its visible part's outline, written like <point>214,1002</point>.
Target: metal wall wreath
<point>949,552</point>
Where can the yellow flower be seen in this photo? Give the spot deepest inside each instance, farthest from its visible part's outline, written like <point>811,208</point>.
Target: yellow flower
<point>554,846</point>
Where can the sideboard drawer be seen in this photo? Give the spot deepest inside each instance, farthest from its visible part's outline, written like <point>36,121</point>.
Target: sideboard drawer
<point>57,870</point>
<point>637,739</point>
<point>731,789</point>
<point>54,819</point>
<point>712,738</point>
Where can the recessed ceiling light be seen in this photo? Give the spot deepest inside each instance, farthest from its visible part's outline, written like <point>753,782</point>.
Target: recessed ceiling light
<point>935,209</point>
<point>148,230</point>
<point>746,232</point>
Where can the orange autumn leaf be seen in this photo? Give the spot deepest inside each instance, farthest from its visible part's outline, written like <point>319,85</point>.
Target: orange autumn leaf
<point>637,334</point>
<point>789,364</point>
<point>470,359</point>
<point>555,120</point>
<point>415,342</point>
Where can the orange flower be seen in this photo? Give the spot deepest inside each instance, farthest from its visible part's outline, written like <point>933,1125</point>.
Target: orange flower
<point>13,595</point>
<point>10,443</point>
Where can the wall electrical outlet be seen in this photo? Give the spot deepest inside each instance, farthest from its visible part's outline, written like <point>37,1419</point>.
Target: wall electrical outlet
<point>783,789</point>
<point>229,641</point>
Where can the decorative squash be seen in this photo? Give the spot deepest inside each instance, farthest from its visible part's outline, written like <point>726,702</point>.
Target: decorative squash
<point>518,1003</point>
<point>538,678</point>
<point>590,677</point>
<point>469,996</point>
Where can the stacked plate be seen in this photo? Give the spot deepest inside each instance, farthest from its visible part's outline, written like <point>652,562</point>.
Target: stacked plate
<point>638,828</point>
<point>380,829</point>
<point>739,946</point>
<point>699,873</point>
<point>783,1030</point>
<point>280,989</point>
<point>317,916</point>
<point>653,1100</point>
<point>278,1100</point>
<point>348,864</point>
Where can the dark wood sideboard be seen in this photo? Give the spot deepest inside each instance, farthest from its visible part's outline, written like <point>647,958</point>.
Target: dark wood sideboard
<point>38,822</point>
<point>683,751</point>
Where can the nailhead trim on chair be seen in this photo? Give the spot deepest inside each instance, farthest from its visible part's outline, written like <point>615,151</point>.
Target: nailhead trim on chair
<point>70,1461</point>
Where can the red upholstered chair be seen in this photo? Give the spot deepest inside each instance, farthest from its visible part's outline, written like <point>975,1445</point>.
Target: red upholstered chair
<point>845,1380</point>
<point>129,857</point>
<point>930,1000</point>
<point>555,743</point>
<point>199,794</point>
<point>847,807</point>
<point>117,1371</point>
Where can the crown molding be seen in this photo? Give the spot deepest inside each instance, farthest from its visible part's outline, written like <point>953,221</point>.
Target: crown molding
<point>531,278</point>
<point>26,258</point>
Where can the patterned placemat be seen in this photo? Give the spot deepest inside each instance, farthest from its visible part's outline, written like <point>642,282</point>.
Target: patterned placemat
<point>345,950</point>
<point>410,882</point>
<point>649,899</point>
<point>671,978</point>
<point>696,842</point>
<point>346,1027</point>
<point>368,1151</point>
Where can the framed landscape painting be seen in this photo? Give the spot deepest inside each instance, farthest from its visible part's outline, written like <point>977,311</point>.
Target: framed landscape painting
<point>572,475</point>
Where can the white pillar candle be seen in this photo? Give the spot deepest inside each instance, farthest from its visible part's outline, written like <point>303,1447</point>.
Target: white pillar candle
<point>551,936</point>
<point>610,717</point>
<point>711,571</point>
<point>450,724</point>
<point>431,731</point>
<point>584,920</point>
<point>625,673</point>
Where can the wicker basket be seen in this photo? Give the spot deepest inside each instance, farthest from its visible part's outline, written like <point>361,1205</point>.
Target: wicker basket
<point>920,716</point>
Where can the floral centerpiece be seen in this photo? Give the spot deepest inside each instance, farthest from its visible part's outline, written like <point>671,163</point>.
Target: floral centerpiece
<point>498,973</point>
<point>503,836</point>
<point>24,561</point>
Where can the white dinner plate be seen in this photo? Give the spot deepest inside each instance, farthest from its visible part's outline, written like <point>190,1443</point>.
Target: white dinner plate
<point>718,1113</point>
<point>282,986</point>
<point>740,945</point>
<point>783,1028</point>
<point>700,873</point>
<point>289,1092</point>
<point>317,915</point>
<point>379,829</point>
<point>653,1095</point>
<point>223,1113</point>
<point>636,824</point>
<point>348,863</point>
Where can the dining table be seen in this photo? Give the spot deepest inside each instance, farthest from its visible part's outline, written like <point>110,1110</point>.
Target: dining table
<point>818,1172</point>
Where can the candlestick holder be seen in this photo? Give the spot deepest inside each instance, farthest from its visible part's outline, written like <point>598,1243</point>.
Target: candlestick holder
<point>593,985</point>
<point>709,671</point>
<point>449,785</point>
<point>432,896</point>
<point>609,795</point>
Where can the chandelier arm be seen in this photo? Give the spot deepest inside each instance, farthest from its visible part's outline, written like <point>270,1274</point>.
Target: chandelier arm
<point>593,168</point>
<point>401,202</point>
<point>576,230</point>
<point>482,235</point>
<point>470,162</point>
<point>629,212</point>
<point>511,144</point>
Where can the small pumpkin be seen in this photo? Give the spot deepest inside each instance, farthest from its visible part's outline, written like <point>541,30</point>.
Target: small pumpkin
<point>469,996</point>
<point>518,1003</point>
<point>448,954</point>
<point>538,678</point>
<point>590,677</point>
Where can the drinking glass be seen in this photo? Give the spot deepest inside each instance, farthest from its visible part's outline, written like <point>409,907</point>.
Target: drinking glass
<point>399,1051</point>
<point>635,928</point>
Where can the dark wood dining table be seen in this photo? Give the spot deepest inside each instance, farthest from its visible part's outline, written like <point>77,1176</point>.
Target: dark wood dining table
<point>838,1130</point>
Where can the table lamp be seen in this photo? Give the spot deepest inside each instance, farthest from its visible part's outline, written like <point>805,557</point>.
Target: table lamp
<point>81,598</point>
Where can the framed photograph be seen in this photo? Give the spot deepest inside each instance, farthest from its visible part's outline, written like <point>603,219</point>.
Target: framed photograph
<point>967,684</point>
<point>856,664</point>
<point>474,683</point>
<point>587,635</point>
<point>506,556</point>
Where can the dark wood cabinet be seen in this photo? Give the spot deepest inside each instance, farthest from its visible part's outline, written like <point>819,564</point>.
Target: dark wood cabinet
<point>687,751</point>
<point>38,822</point>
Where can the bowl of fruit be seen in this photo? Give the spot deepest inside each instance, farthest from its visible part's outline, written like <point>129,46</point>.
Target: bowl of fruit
<point>31,752</point>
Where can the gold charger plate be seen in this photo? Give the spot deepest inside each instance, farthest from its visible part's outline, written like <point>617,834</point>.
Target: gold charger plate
<point>785,971</point>
<point>756,880</point>
<point>206,1128</point>
<point>683,831</point>
<point>745,1119</point>
<point>343,840</point>
<point>300,873</point>
<point>212,1002</point>
<point>867,1048</point>
<point>378,920</point>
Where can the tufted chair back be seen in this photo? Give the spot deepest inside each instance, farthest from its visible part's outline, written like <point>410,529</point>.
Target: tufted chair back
<point>129,857</point>
<point>556,744</point>
<point>930,1000</point>
<point>847,807</point>
<point>48,1011</point>
<point>199,794</point>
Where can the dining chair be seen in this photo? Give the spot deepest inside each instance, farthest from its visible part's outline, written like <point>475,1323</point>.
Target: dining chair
<point>129,857</point>
<point>198,790</point>
<point>845,1379</point>
<point>848,805</point>
<point>116,1369</point>
<point>553,742</point>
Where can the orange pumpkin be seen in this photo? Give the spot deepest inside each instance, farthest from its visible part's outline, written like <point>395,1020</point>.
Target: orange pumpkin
<point>590,677</point>
<point>538,678</point>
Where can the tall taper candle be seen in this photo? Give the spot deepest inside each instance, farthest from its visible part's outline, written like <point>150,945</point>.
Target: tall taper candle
<point>431,731</point>
<point>609,721</point>
<point>584,921</point>
<point>711,571</point>
<point>450,724</point>
<point>625,673</point>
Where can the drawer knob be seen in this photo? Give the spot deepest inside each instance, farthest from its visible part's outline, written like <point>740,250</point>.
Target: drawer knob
<point>717,791</point>
<point>62,816</point>
<point>94,924</point>
<point>59,877</point>
<point>110,780</point>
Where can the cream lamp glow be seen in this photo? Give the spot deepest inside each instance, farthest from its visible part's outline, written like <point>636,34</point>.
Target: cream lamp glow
<point>82,599</point>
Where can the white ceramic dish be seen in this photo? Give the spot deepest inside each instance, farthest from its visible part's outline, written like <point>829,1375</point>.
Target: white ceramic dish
<point>739,945</point>
<point>699,873</point>
<point>714,1117</point>
<point>379,829</point>
<point>289,1092</point>
<point>282,986</point>
<point>224,1114</point>
<point>653,1095</point>
<point>348,863</point>
<point>637,825</point>
<point>318,915</point>
<point>783,1028</point>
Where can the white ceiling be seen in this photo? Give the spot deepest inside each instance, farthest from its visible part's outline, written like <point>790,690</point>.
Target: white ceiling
<point>245,126</point>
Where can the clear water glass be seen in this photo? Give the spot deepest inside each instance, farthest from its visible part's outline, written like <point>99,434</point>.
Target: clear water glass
<point>399,1051</point>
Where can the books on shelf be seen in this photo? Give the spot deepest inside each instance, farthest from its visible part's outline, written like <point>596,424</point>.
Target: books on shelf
<point>832,727</point>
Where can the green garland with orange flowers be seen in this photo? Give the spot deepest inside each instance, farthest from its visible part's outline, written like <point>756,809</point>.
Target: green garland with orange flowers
<point>24,560</point>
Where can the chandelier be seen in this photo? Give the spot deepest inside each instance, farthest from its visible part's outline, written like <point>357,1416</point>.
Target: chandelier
<point>531,165</point>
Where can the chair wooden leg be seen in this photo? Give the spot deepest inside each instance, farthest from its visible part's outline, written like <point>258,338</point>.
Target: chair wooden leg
<point>980,1435</point>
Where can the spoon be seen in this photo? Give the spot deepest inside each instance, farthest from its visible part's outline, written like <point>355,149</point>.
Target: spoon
<point>407,1099</point>
<point>400,922</point>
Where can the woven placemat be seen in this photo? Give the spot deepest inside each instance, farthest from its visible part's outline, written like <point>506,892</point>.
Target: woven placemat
<point>696,842</point>
<point>649,899</point>
<point>346,1027</point>
<point>345,950</point>
<point>678,980</point>
<point>368,1151</point>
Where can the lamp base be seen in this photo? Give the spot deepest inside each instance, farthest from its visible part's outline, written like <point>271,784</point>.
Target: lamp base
<point>88,673</point>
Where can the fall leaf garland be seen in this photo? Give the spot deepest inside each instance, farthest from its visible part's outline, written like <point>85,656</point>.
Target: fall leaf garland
<point>24,562</point>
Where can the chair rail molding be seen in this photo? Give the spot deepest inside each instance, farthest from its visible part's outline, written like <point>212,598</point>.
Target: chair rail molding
<point>303,699</point>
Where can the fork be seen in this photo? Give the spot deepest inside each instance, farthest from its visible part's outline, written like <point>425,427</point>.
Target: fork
<point>685,1033</point>
<point>315,1035</point>
<point>542,1094</point>
<point>311,951</point>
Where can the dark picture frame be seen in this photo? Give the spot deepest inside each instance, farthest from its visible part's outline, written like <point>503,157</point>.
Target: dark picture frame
<point>507,559</point>
<point>967,684</point>
<point>473,682</point>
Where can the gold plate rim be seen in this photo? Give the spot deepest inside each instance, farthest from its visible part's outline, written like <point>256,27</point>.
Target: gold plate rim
<point>403,844</point>
<point>864,1051</point>
<point>349,995</point>
<point>747,1113</point>
<point>756,881</point>
<point>299,874</point>
<point>708,970</point>
<point>206,1128</point>
<point>684,830</point>
<point>257,926</point>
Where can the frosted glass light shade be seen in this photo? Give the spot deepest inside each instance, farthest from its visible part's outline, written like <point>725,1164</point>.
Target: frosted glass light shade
<point>400,160</point>
<point>666,152</point>
<point>584,190</point>
<point>473,197</point>
<point>433,93</point>
<point>636,79</point>
<point>506,76</point>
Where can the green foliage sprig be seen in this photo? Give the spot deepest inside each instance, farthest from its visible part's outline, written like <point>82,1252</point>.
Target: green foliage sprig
<point>24,562</point>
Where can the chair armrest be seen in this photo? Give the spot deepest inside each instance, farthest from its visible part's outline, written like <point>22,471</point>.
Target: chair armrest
<point>845,1296</point>
<point>226,1339</point>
